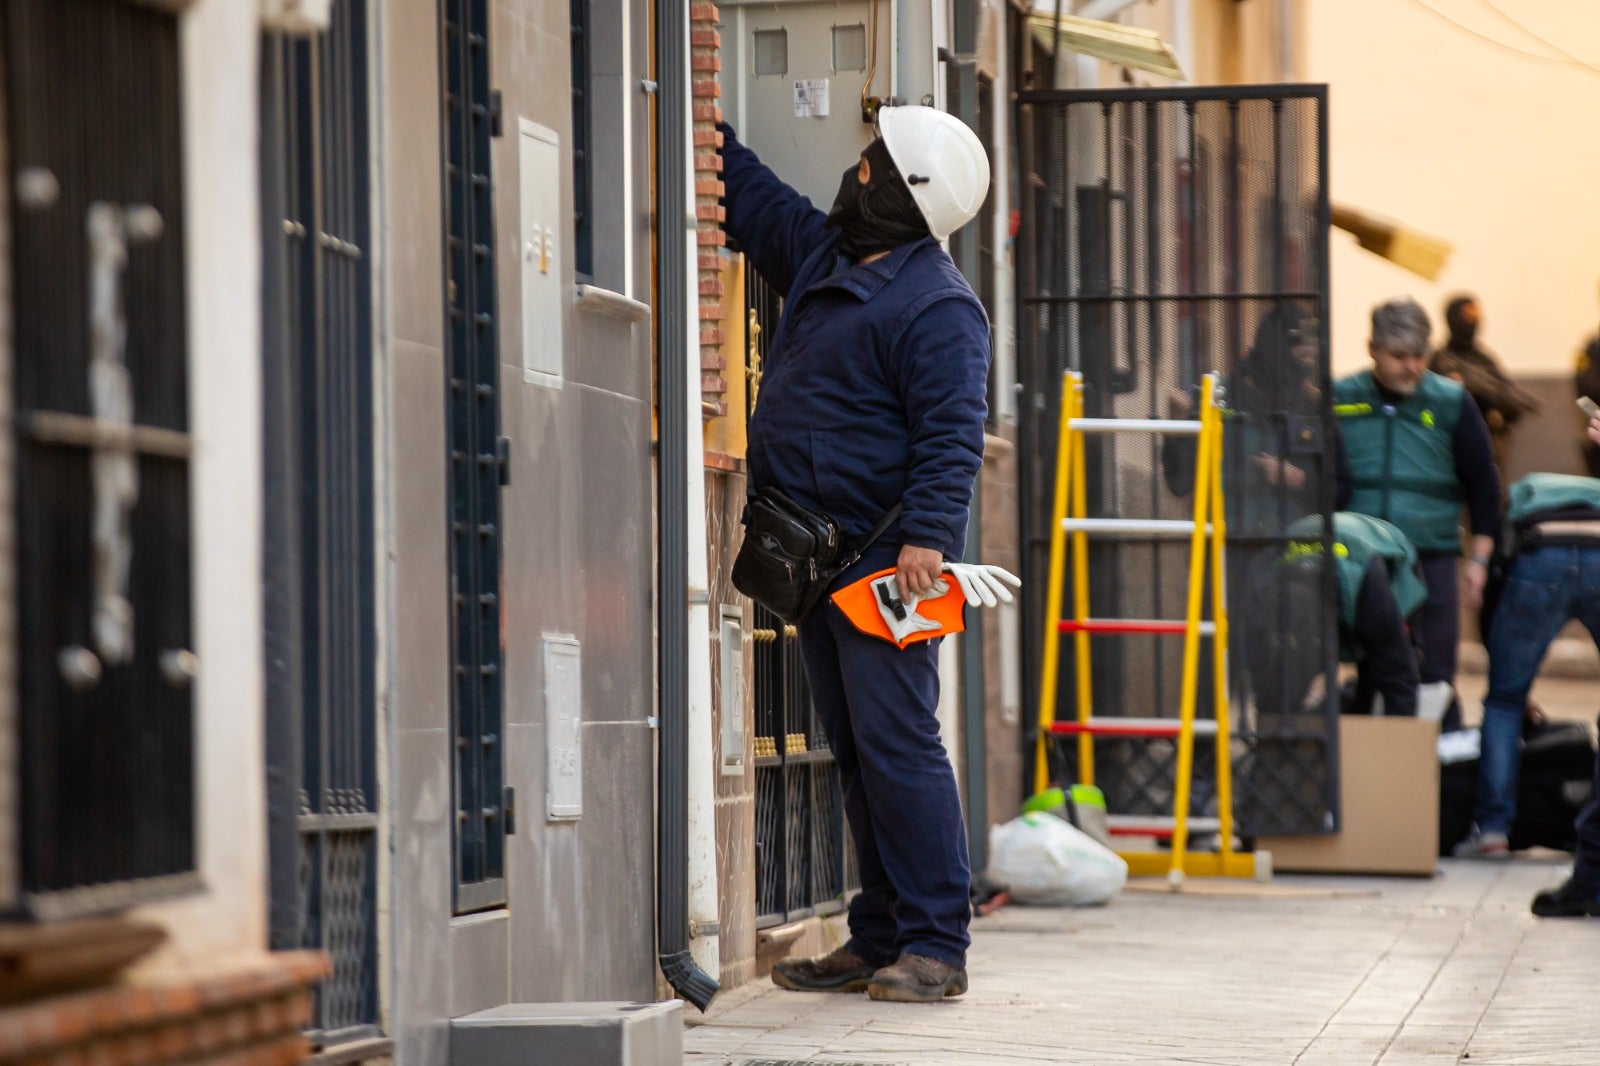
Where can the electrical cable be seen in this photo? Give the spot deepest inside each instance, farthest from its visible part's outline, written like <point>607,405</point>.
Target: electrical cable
<point>1547,42</point>
<point>1464,28</point>
<point>872,55</point>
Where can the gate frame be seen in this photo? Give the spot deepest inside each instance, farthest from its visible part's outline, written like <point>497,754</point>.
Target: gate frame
<point>1038,380</point>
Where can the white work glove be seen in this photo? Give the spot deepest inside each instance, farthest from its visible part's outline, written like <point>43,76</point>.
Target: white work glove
<point>982,584</point>
<point>901,616</point>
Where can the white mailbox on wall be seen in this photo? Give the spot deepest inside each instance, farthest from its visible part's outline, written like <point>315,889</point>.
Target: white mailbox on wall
<point>540,170</point>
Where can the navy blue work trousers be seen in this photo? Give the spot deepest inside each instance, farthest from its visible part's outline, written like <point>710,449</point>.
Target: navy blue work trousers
<point>877,704</point>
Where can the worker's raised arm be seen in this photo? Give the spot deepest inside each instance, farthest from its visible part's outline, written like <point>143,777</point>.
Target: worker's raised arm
<point>774,225</point>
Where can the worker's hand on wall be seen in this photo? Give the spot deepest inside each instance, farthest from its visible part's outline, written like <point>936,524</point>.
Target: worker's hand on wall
<point>917,570</point>
<point>982,584</point>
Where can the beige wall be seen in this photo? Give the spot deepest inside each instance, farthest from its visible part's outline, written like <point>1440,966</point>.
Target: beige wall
<point>1467,141</point>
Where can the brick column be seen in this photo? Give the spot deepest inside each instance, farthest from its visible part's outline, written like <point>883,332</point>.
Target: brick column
<point>705,61</point>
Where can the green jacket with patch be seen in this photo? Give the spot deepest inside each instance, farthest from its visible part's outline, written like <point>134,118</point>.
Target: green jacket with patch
<point>1401,457</point>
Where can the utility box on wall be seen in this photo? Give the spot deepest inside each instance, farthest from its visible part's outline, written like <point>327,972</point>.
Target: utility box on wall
<point>792,80</point>
<point>539,163</point>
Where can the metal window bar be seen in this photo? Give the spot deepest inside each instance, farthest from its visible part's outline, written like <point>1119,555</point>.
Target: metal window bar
<point>582,138</point>
<point>1167,234</point>
<point>475,472</point>
<point>320,568</point>
<point>103,619</point>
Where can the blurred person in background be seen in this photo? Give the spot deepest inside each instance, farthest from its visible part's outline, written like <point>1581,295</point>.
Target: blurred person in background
<point>1419,451</point>
<point>1464,359</point>
<point>1586,382</point>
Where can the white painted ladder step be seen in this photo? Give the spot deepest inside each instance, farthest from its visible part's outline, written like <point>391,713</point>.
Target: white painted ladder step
<point>1186,427</point>
<point>1133,727</point>
<point>1167,527</point>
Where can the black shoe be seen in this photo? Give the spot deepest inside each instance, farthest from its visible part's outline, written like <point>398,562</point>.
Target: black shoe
<point>917,979</point>
<point>1571,900</point>
<point>840,970</point>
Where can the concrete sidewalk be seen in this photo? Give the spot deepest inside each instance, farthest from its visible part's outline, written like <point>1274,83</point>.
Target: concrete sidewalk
<point>1315,971</point>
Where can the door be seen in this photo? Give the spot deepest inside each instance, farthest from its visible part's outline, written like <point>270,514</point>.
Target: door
<point>94,161</point>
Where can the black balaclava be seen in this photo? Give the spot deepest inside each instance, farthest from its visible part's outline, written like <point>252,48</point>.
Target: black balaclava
<point>879,215</point>
<point>1463,334</point>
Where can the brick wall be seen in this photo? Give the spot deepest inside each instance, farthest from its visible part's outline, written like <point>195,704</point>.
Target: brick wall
<point>252,1015</point>
<point>705,62</point>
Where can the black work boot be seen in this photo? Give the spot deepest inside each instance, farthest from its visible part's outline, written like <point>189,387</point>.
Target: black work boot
<point>917,979</point>
<point>840,970</point>
<point>1571,900</point>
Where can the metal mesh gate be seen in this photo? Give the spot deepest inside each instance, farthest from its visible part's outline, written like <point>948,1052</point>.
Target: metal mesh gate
<point>318,559</point>
<point>1167,234</point>
<point>804,861</point>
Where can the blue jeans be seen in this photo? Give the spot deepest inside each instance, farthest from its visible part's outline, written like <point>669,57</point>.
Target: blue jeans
<point>1546,588</point>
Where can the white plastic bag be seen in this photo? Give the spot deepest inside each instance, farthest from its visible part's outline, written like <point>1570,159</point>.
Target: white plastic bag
<point>1043,860</point>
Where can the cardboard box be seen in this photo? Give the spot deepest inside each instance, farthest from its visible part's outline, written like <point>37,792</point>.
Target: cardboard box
<point>1389,804</point>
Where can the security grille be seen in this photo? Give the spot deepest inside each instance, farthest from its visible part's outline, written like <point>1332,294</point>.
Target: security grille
<point>96,269</point>
<point>319,563</point>
<point>477,458</point>
<point>1168,234</point>
<point>801,839</point>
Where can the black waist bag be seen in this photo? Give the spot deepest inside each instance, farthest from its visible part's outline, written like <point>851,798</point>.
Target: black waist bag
<point>791,554</point>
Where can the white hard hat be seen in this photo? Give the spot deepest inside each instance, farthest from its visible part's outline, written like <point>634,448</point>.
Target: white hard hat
<point>941,160</point>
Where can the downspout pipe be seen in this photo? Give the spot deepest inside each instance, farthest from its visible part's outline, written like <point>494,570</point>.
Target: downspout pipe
<point>672,580</point>
<point>704,927</point>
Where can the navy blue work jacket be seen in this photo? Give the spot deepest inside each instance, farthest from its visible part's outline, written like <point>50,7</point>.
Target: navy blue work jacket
<point>873,389</point>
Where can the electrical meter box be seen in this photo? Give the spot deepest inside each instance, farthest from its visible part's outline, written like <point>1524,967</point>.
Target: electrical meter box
<point>795,73</point>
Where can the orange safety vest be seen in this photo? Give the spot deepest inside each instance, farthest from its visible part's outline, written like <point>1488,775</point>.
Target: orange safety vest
<point>859,605</point>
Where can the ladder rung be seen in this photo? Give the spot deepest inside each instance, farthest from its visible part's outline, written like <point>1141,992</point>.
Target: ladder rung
<point>1168,527</point>
<point>1134,425</point>
<point>1133,727</point>
<point>1158,826</point>
<point>1131,625</point>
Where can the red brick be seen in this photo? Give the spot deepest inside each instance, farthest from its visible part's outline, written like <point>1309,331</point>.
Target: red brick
<point>711,237</point>
<point>708,138</point>
<point>713,383</point>
<point>710,262</point>
<point>711,312</point>
<point>711,214</point>
<point>711,336</point>
<point>703,38</point>
<point>709,187</point>
<point>711,62</point>
<point>718,409</point>
<point>712,362</point>
<point>708,112</point>
<point>707,88</point>
<point>708,163</point>
<point>711,286</point>
<point>704,12</point>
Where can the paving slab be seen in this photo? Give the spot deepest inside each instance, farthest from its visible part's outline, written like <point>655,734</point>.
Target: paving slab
<point>1319,971</point>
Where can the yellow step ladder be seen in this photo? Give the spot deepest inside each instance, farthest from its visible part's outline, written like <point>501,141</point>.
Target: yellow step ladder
<point>1206,532</point>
